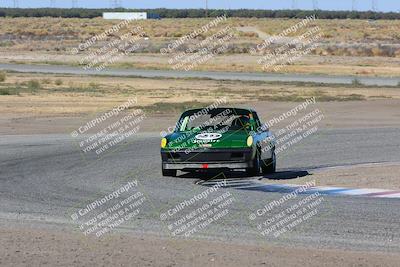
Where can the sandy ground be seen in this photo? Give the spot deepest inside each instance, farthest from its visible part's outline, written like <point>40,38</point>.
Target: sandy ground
<point>379,175</point>
<point>22,246</point>
<point>350,114</point>
<point>332,65</point>
<point>68,99</point>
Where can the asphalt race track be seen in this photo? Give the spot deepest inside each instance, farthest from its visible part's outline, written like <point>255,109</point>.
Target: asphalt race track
<point>243,76</point>
<point>44,179</point>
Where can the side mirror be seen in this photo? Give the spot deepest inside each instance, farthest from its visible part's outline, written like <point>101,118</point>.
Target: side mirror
<point>264,128</point>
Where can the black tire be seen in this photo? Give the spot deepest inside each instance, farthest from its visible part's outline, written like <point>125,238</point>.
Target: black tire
<point>255,170</point>
<point>269,165</point>
<point>170,173</point>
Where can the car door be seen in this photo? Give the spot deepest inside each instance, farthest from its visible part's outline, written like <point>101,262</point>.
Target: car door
<point>264,138</point>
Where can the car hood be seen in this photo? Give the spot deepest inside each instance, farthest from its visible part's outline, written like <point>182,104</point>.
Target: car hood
<point>229,139</point>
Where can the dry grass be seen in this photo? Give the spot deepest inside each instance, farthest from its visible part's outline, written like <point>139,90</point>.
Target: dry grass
<point>77,95</point>
<point>60,34</point>
<point>348,47</point>
<point>364,66</point>
<point>3,76</point>
<point>335,30</point>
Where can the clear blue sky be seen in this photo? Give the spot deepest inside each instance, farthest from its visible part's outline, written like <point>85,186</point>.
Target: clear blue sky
<point>382,5</point>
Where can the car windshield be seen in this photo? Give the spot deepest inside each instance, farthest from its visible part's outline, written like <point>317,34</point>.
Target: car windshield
<point>219,119</point>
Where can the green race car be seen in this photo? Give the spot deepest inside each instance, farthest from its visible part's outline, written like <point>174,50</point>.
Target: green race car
<point>218,138</point>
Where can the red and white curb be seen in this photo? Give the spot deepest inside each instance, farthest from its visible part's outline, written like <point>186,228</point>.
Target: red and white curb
<point>257,185</point>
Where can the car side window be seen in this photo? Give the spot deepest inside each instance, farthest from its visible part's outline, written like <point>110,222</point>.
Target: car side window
<point>258,123</point>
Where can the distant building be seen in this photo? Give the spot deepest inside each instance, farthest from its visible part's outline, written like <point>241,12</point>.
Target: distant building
<point>153,16</point>
<point>125,15</point>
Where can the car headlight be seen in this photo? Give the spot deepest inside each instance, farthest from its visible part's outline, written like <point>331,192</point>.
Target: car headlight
<point>163,142</point>
<point>249,140</point>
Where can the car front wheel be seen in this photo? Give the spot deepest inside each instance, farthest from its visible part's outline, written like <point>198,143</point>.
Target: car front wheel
<point>269,165</point>
<point>255,170</point>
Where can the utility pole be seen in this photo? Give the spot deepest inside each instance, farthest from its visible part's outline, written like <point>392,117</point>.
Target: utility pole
<point>206,8</point>
<point>354,5</point>
<point>374,5</point>
<point>294,4</point>
<point>15,3</point>
<point>116,3</point>
<point>315,4</point>
<point>74,3</point>
<point>52,3</point>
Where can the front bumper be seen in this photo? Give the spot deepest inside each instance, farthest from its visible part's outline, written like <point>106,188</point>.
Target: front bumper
<point>234,158</point>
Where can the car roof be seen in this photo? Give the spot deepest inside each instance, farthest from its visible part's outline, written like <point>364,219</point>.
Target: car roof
<point>237,110</point>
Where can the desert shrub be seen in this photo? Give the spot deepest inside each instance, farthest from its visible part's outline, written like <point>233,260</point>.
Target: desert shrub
<point>6,43</point>
<point>177,34</point>
<point>376,51</point>
<point>5,91</point>
<point>9,91</point>
<point>58,82</point>
<point>93,85</point>
<point>356,82</point>
<point>248,34</point>
<point>3,76</point>
<point>45,81</point>
<point>33,85</point>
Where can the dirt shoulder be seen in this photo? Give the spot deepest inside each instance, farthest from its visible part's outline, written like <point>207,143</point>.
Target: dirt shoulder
<point>28,246</point>
<point>39,103</point>
<point>352,114</point>
<point>380,176</point>
<point>328,65</point>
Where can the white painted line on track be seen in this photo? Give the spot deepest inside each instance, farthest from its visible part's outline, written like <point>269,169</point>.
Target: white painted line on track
<point>257,185</point>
